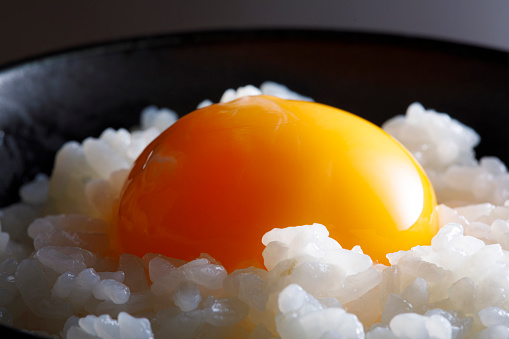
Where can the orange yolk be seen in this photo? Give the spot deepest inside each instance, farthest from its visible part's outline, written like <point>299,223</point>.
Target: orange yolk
<point>222,176</point>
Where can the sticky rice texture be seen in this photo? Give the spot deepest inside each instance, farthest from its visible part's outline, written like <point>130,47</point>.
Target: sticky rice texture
<point>55,278</point>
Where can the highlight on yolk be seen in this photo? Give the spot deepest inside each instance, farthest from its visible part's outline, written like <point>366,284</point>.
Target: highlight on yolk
<point>222,176</point>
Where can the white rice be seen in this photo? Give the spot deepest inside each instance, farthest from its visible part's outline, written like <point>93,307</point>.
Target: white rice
<point>55,281</point>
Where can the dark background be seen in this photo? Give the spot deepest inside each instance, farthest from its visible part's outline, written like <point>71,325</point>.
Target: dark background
<point>29,28</point>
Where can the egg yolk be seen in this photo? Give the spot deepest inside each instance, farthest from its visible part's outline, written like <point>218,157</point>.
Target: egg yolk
<point>222,176</point>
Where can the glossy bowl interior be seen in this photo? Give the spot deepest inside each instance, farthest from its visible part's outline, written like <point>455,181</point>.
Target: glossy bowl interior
<point>71,95</point>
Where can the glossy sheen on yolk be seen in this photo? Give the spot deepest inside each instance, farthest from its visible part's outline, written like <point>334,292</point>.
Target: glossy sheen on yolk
<point>224,175</point>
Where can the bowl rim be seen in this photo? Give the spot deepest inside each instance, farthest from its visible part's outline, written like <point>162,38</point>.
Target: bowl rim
<point>149,41</point>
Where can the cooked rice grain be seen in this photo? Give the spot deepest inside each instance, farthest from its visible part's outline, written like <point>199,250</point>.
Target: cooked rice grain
<point>56,280</point>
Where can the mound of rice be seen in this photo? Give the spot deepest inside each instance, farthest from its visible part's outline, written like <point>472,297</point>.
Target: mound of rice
<point>56,279</point>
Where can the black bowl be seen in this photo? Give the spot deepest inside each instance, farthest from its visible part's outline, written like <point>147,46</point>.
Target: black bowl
<point>71,95</point>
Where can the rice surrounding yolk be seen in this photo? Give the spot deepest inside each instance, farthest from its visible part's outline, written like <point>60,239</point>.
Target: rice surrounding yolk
<point>222,176</point>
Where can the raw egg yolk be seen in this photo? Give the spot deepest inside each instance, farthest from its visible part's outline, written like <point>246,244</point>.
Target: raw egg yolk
<point>222,176</point>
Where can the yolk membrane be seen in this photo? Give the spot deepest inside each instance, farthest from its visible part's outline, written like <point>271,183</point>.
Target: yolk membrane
<point>224,175</point>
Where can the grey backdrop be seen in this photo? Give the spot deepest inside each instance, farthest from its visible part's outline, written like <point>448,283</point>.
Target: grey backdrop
<point>28,28</point>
